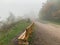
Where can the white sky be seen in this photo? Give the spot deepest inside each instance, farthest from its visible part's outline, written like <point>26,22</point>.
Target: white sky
<point>19,7</point>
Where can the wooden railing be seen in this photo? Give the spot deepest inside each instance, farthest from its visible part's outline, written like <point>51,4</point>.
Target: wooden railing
<point>23,38</point>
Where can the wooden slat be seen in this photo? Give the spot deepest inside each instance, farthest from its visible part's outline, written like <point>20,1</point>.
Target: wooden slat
<point>22,36</point>
<point>25,35</point>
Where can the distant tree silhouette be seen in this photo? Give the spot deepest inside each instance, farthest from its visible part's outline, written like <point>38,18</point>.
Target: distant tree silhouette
<point>50,10</point>
<point>11,18</point>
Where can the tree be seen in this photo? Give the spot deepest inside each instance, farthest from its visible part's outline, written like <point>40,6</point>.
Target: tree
<point>50,10</point>
<point>11,18</point>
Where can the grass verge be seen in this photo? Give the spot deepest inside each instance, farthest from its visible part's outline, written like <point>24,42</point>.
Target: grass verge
<point>6,37</point>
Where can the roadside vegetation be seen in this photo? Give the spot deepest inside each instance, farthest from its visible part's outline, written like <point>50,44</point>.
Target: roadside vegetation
<point>6,37</point>
<point>50,11</point>
<point>11,28</point>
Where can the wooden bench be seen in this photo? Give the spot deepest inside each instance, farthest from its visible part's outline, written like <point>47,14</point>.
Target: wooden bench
<point>23,38</point>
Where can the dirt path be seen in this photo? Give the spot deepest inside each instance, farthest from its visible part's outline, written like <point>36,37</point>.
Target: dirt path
<point>46,34</point>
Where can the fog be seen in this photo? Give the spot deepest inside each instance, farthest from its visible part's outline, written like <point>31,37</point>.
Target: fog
<point>20,7</point>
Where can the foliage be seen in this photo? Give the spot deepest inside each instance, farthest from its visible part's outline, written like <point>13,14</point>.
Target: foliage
<point>6,37</point>
<point>11,28</point>
<point>50,10</point>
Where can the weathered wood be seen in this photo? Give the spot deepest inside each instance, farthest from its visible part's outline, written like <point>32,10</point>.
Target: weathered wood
<point>23,38</point>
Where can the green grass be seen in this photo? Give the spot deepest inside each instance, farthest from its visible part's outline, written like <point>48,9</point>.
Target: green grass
<point>30,40</point>
<point>54,22</point>
<point>51,21</point>
<point>58,23</point>
<point>6,37</point>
